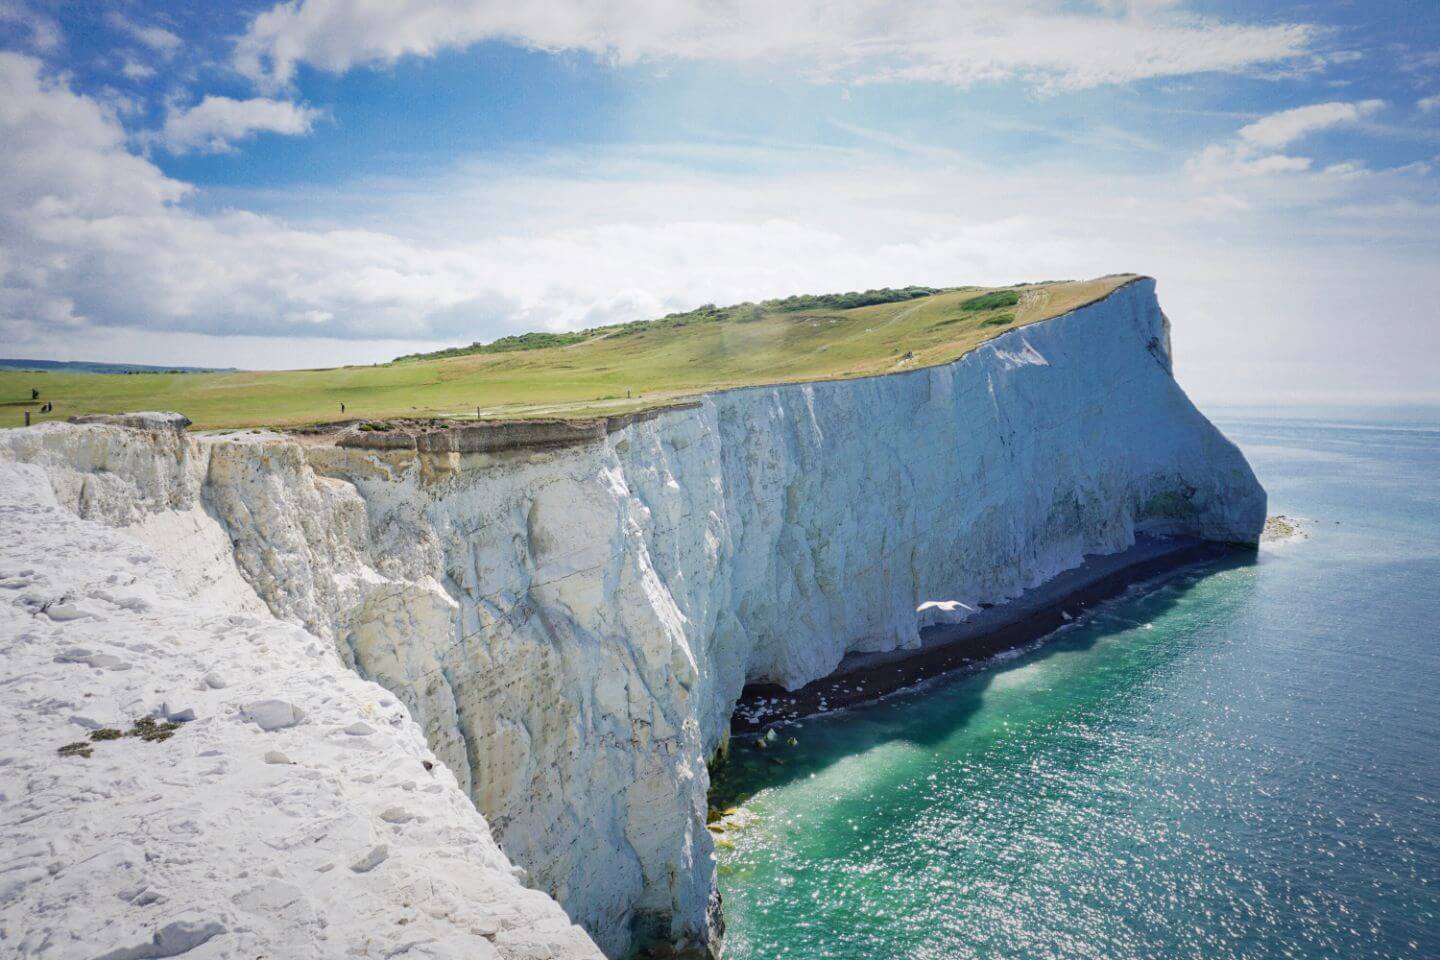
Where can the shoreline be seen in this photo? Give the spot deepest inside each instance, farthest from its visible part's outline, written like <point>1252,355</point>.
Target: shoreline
<point>863,678</point>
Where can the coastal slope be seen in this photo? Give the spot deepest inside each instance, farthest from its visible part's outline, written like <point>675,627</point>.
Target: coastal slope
<point>572,625</point>
<point>623,368</point>
<point>184,774</point>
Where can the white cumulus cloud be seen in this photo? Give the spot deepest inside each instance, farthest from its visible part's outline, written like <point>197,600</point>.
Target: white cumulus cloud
<point>215,123</point>
<point>91,234</point>
<point>1284,128</point>
<point>957,42</point>
<point>1258,147</point>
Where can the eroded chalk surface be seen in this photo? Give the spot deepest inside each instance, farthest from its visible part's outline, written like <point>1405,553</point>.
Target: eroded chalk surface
<point>264,824</point>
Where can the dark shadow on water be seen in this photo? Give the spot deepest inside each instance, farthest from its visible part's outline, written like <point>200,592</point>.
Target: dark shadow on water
<point>751,769</point>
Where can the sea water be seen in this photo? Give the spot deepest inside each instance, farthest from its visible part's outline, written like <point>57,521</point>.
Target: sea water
<point>1242,763</point>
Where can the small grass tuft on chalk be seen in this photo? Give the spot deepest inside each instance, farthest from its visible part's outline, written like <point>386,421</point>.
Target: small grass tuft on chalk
<point>152,731</point>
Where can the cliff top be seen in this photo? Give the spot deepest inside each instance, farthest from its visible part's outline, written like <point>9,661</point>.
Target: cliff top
<point>598,373</point>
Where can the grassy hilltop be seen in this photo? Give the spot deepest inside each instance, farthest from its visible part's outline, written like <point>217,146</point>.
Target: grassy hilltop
<point>586,373</point>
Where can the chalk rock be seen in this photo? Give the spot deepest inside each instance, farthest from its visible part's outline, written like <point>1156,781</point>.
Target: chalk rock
<point>371,860</point>
<point>273,714</point>
<point>145,420</point>
<point>63,612</point>
<point>170,940</point>
<point>935,612</point>
<point>100,661</point>
<point>167,712</point>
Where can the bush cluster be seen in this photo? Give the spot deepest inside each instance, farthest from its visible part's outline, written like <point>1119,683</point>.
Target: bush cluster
<point>707,313</point>
<point>991,301</point>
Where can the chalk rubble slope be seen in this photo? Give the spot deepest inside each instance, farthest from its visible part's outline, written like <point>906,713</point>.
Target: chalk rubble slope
<point>293,816</point>
<point>571,627</point>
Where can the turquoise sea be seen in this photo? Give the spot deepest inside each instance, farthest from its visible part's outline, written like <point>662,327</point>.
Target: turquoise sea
<point>1243,763</point>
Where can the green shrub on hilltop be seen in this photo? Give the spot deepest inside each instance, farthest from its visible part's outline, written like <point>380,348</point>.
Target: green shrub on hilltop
<point>849,301</point>
<point>523,341</point>
<point>991,301</point>
<point>706,313</point>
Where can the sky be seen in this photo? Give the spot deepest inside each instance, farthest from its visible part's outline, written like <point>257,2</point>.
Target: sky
<point>321,182</point>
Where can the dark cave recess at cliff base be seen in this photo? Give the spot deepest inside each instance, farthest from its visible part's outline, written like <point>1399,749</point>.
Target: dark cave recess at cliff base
<point>944,648</point>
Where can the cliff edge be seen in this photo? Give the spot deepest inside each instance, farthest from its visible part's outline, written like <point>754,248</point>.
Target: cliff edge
<point>570,626</point>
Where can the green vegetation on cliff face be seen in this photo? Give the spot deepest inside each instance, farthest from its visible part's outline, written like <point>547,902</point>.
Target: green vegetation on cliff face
<point>607,370</point>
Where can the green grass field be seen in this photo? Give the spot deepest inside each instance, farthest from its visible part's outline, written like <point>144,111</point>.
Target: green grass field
<point>656,363</point>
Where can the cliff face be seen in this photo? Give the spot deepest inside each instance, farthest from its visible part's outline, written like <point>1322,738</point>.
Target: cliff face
<point>571,627</point>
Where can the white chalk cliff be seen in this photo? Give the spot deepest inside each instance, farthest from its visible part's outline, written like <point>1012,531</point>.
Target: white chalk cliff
<point>571,627</point>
